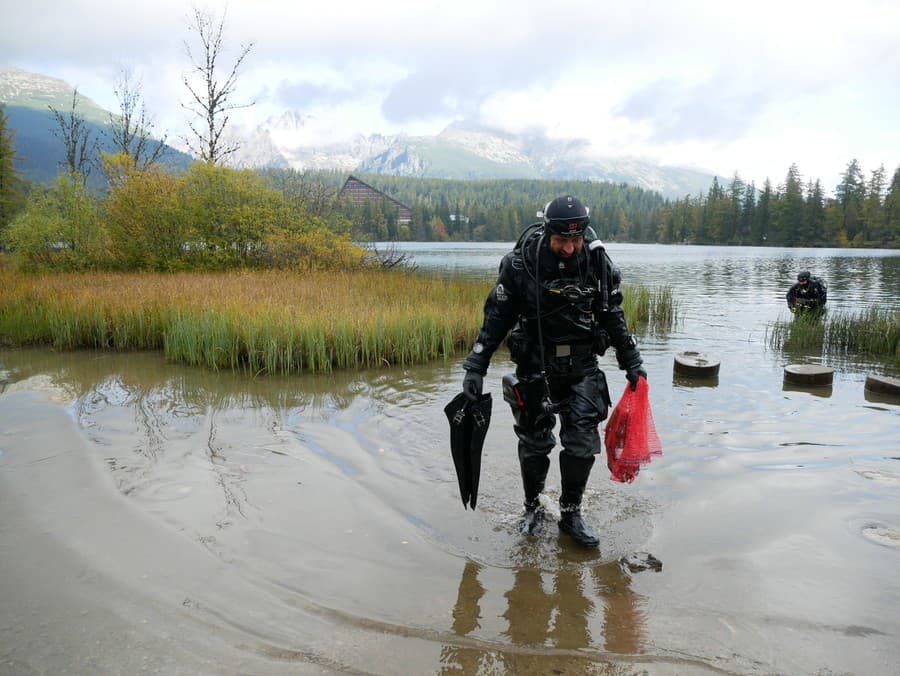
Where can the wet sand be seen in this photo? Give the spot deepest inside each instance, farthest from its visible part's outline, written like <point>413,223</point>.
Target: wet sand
<point>167,520</point>
<point>323,582</point>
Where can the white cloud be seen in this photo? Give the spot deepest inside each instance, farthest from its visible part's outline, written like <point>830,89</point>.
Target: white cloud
<point>728,87</point>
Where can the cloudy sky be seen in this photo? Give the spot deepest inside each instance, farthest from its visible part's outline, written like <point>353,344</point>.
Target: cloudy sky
<point>722,86</point>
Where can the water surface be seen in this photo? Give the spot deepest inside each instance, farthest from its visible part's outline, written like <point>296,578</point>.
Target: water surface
<point>170,519</point>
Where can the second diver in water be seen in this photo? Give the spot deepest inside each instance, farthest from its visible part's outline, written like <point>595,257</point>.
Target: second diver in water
<point>808,294</point>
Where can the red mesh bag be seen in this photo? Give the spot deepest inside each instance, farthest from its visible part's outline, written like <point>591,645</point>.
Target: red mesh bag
<point>631,438</point>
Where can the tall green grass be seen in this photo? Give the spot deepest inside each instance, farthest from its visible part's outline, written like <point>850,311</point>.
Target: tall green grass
<point>652,307</point>
<point>874,331</point>
<point>263,321</point>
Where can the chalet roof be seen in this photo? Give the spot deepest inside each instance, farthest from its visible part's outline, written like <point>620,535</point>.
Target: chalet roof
<point>353,179</point>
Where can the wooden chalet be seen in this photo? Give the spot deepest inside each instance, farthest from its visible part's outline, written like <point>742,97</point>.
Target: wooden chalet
<point>359,193</point>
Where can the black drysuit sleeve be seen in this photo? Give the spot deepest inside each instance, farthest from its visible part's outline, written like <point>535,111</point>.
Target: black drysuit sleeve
<point>501,310</point>
<point>613,321</point>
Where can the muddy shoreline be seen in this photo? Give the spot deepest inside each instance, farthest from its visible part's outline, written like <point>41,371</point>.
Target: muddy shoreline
<point>168,520</point>
<point>93,584</point>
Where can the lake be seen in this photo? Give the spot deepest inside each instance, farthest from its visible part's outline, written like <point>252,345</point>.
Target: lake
<point>169,519</point>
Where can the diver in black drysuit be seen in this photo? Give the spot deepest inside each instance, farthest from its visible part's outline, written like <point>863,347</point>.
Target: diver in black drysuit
<point>569,305</point>
<point>808,294</point>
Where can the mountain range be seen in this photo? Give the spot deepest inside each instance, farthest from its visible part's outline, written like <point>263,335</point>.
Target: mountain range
<point>461,151</point>
<point>27,99</point>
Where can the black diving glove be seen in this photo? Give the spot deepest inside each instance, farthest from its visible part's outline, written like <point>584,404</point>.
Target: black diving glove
<point>633,374</point>
<point>473,383</point>
<point>629,358</point>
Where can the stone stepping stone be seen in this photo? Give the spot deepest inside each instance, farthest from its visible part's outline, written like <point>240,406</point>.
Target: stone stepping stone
<point>808,374</point>
<point>884,384</point>
<point>696,364</point>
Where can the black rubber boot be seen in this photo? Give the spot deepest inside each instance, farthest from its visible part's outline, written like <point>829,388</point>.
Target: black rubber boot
<point>533,523</point>
<point>534,473</point>
<point>571,522</point>
<point>574,475</point>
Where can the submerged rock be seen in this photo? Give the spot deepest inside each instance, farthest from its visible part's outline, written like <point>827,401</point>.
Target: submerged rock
<point>639,561</point>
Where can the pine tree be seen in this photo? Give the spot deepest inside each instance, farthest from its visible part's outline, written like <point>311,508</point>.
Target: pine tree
<point>763,219</point>
<point>813,227</point>
<point>10,183</point>
<point>732,211</point>
<point>872,216</point>
<point>746,229</point>
<point>892,212</point>
<point>713,214</point>
<point>787,212</point>
<point>850,193</point>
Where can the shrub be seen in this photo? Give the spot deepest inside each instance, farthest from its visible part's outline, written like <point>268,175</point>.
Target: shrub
<point>147,229</point>
<point>59,228</point>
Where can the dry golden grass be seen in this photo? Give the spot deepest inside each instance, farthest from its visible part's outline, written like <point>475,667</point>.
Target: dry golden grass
<point>261,321</point>
<point>271,321</point>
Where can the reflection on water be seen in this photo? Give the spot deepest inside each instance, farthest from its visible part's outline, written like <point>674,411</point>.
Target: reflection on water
<point>855,277</point>
<point>330,503</point>
<point>549,611</point>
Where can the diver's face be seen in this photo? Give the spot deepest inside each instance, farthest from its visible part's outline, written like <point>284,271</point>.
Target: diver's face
<point>565,247</point>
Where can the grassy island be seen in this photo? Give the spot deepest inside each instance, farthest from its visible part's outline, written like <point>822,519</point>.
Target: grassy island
<point>259,321</point>
<point>263,321</point>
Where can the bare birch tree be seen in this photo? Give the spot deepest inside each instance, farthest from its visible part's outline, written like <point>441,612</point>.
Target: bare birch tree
<point>80,146</point>
<point>210,100</point>
<point>131,130</point>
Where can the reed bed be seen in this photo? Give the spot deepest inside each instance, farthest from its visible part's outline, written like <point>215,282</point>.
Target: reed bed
<point>874,331</point>
<point>272,322</point>
<point>262,321</point>
<point>654,308</point>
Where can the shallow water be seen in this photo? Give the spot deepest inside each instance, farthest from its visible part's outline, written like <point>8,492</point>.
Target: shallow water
<point>166,519</point>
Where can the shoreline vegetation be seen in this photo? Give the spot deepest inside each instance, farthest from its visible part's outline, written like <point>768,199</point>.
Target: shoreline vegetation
<point>874,331</point>
<point>266,321</point>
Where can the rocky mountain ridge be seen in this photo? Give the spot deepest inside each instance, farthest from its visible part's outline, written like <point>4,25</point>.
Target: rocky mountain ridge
<point>460,151</point>
<point>32,90</point>
<point>293,140</point>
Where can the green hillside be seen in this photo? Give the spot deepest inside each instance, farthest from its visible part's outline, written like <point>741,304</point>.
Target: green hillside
<point>40,153</point>
<point>27,99</point>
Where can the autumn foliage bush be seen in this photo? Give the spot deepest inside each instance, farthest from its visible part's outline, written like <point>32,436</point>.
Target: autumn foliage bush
<point>208,218</point>
<point>60,227</point>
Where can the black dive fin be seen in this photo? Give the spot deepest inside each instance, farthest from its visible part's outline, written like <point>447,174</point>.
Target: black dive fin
<point>480,413</point>
<point>469,423</point>
<point>460,426</point>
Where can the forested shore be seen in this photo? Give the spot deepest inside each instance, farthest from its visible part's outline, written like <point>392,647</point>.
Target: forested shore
<point>213,217</point>
<point>862,211</point>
